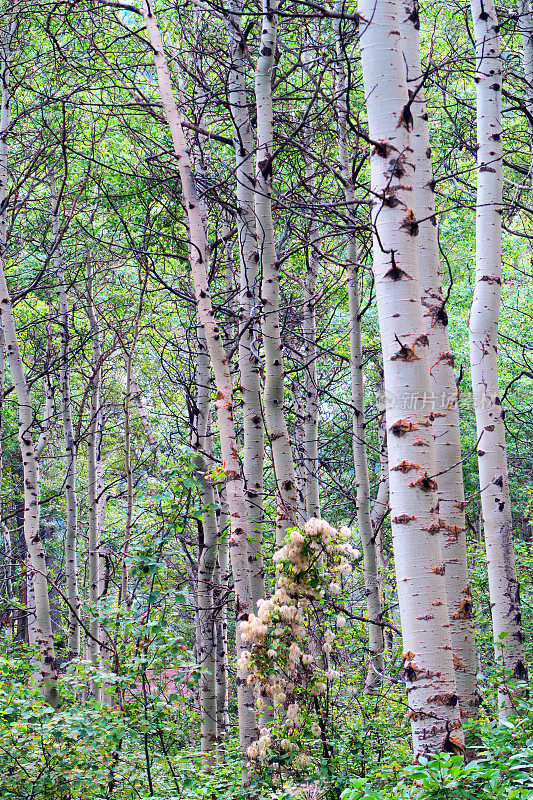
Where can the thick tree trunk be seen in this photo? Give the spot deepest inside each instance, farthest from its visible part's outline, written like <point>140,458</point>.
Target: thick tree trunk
<point>36,551</point>
<point>71,527</point>
<point>241,529</point>
<point>376,643</point>
<point>443,389</point>
<point>427,657</point>
<point>492,457</point>
<point>273,396</point>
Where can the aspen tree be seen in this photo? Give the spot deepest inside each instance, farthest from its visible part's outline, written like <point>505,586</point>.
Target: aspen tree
<point>207,555</point>
<point>312,409</point>
<point>47,673</point>
<point>6,533</point>
<point>222,586</point>
<point>427,657</point>
<point>273,395</point>
<point>94,557</point>
<point>483,329</point>
<point>443,389</point>
<point>71,525</point>
<point>240,526</point>
<point>359,444</point>
<point>143,416</point>
<point>380,506</point>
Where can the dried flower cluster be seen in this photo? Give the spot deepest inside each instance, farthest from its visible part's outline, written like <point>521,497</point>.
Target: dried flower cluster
<point>288,665</point>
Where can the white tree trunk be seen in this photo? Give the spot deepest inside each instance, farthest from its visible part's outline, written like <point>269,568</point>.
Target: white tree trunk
<point>370,557</point>
<point>443,389</point>
<point>34,544</point>
<point>250,378</point>
<point>427,656</point>
<point>222,584</point>
<point>241,529</point>
<point>310,352</point>
<point>484,313</point>
<point>93,645</point>
<point>207,555</point>
<point>273,396</point>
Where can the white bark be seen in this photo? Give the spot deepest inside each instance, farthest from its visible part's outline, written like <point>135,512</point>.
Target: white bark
<point>484,313</point>
<point>273,396</point>
<point>370,560</point>
<point>312,408</point>
<point>222,584</point>
<point>443,389</point>
<point>427,657</point>
<point>240,526</point>
<point>206,656</point>
<point>250,378</point>
<point>34,544</point>
<point>93,645</point>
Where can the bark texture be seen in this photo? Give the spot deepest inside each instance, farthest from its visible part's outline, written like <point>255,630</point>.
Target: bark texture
<point>492,458</point>
<point>37,570</point>
<point>274,389</point>
<point>249,311</point>
<point>427,657</point>
<point>363,499</point>
<point>240,526</point>
<point>443,390</point>
<point>93,494</point>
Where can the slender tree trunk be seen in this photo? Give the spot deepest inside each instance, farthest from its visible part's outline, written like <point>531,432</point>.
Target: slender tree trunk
<point>6,533</point>
<point>143,416</point>
<point>427,657</point>
<point>492,459</point>
<point>92,479</point>
<point>298,411</point>
<point>221,596</point>
<point>273,396</point>
<point>124,590</point>
<point>443,396</point>
<point>249,373</point>
<point>240,526</point>
<point>380,507</point>
<point>71,531</point>
<point>376,643</point>
<point>207,553</point>
<point>312,408</point>
<point>36,551</point>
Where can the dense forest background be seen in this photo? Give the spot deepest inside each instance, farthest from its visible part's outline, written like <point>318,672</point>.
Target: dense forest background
<point>137,645</point>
